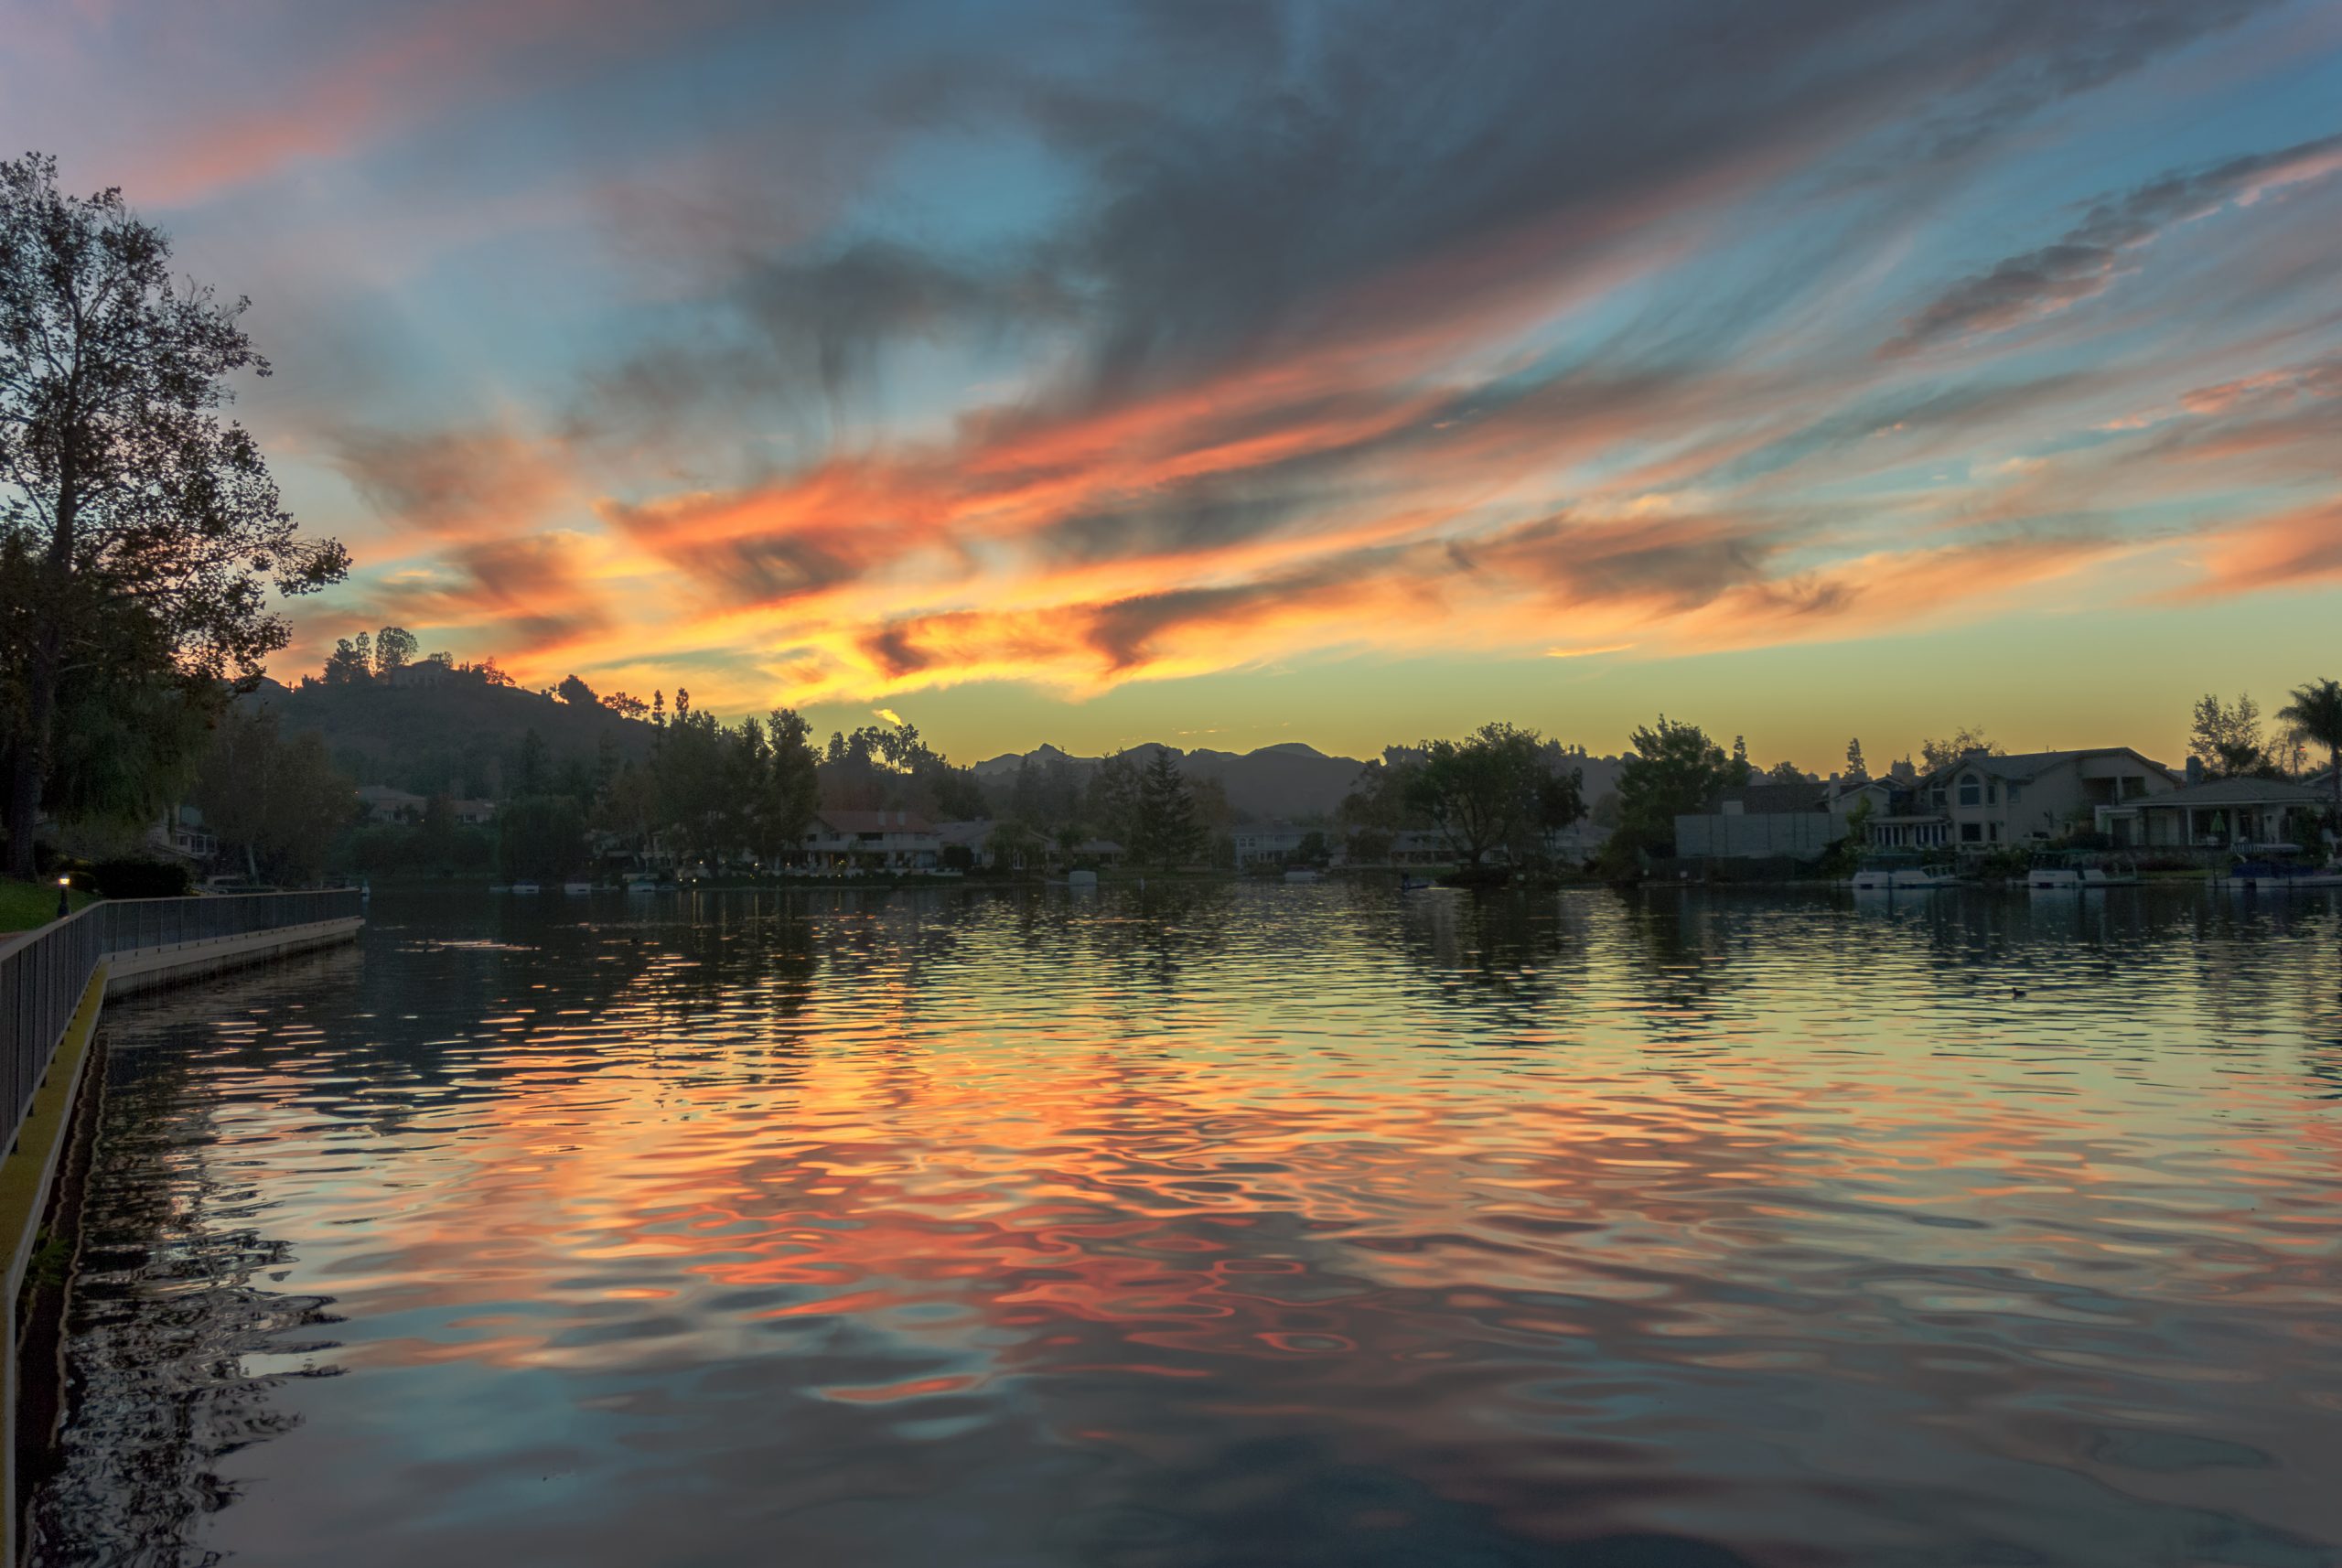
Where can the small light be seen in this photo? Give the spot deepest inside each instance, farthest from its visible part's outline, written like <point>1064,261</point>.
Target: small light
<point>65,882</point>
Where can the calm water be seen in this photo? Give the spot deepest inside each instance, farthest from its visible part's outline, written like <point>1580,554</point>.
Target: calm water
<point>1244,1226</point>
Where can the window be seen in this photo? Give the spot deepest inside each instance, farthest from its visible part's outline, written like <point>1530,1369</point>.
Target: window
<point>2016,793</point>
<point>1996,832</point>
<point>1992,794</point>
<point>1971,833</point>
<point>1972,789</point>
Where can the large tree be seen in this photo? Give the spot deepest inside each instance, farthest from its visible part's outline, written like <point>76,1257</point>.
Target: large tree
<point>2315,714</point>
<point>1940,754</point>
<point>120,483</point>
<point>1499,788</point>
<point>1169,833</point>
<point>277,803</point>
<point>2226,737</point>
<point>1672,770</point>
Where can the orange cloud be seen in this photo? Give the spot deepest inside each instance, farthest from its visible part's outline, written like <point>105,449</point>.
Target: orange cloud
<point>2300,548</point>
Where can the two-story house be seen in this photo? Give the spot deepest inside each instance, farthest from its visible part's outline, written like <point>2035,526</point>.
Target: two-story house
<point>1985,803</point>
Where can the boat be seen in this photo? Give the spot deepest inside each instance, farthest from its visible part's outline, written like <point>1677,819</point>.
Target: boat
<point>2273,868</point>
<point>1301,874</point>
<point>2056,873</point>
<point>1414,883</point>
<point>526,887</point>
<point>1899,873</point>
<point>574,888</point>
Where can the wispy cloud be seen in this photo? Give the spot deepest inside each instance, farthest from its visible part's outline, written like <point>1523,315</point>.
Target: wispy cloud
<point>2087,258</point>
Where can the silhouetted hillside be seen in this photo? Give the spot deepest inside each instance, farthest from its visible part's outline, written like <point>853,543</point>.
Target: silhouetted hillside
<point>461,735</point>
<point>1286,781</point>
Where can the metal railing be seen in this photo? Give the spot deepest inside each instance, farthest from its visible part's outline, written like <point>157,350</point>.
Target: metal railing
<point>42,976</point>
<point>166,922</point>
<point>43,973</point>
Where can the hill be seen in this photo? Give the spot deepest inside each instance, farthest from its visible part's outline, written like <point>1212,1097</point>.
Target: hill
<point>1281,782</point>
<point>460,735</point>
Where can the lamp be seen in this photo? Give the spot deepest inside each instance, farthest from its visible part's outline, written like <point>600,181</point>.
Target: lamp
<point>64,905</point>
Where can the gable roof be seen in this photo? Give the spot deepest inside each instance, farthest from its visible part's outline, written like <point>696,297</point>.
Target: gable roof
<point>2024,766</point>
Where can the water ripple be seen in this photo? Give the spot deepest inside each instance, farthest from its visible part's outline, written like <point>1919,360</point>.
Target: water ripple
<point>1227,1225</point>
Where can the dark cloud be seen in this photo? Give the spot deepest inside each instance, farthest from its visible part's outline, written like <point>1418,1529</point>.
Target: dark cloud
<point>443,480</point>
<point>525,590</point>
<point>891,649</point>
<point>1260,179</point>
<point>2089,256</point>
<point>1673,563</point>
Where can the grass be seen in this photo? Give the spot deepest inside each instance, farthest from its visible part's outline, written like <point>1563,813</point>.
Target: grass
<point>24,904</point>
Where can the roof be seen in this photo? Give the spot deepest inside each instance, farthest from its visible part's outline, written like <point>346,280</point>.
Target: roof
<point>2028,765</point>
<point>1768,800</point>
<point>2235,792</point>
<point>874,821</point>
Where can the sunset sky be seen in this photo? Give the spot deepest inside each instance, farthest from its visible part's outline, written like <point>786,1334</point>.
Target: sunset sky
<point>1232,373</point>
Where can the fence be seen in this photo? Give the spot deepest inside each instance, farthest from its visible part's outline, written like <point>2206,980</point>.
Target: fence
<point>43,973</point>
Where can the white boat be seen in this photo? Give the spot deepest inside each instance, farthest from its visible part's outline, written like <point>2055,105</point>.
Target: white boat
<point>2079,873</point>
<point>1301,874</point>
<point>1899,873</point>
<point>526,887</point>
<point>574,888</point>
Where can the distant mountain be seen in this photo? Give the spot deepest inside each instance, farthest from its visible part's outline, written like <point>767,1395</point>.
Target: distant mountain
<point>456,734</point>
<point>1279,782</point>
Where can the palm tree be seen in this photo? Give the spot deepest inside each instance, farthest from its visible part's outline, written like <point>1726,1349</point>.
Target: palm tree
<point>2316,714</point>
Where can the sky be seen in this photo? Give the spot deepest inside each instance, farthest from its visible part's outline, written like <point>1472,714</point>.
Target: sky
<point>1227,374</point>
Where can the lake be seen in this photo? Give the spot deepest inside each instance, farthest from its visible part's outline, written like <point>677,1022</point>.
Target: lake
<point>1227,1225</point>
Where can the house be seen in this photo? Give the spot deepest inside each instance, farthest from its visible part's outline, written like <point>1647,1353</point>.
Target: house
<point>425,674</point>
<point>1894,816</point>
<point>890,841</point>
<point>1417,846</point>
<point>1760,821</point>
<point>2224,814</point>
<point>1271,842</point>
<point>473,814</point>
<point>973,835</point>
<point>384,804</point>
<point>1979,802</point>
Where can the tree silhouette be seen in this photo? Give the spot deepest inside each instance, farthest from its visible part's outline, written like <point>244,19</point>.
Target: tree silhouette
<point>117,476</point>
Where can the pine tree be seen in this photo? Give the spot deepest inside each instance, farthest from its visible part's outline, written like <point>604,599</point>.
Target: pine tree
<point>1166,813</point>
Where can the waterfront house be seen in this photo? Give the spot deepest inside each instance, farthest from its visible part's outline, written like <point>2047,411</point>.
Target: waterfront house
<point>2224,814</point>
<point>384,804</point>
<point>975,835</point>
<point>1271,842</point>
<point>1982,803</point>
<point>886,840</point>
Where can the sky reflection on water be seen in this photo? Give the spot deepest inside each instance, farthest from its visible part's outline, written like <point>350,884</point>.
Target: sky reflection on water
<point>1229,1225</point>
